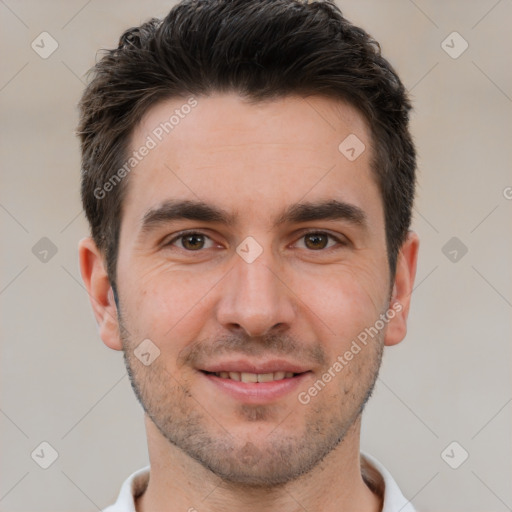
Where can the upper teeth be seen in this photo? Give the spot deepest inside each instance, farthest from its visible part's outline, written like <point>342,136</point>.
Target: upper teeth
<point>254,377</point>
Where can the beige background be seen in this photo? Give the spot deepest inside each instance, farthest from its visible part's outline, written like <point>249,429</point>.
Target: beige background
<point>449,381</point>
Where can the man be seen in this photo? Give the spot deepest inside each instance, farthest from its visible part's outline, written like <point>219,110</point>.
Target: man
<point>248,175</point>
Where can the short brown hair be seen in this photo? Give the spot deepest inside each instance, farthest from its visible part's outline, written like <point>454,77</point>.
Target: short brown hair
<point>260,49</point>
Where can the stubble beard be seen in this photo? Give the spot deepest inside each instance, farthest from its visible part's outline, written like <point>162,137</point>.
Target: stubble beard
<point>287,452</point>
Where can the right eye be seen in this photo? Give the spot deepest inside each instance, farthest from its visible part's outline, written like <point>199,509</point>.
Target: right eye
<point>191,241</point>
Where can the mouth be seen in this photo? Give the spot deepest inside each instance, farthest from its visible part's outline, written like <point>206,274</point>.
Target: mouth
<point>256,387</point>
<point>254,377</point>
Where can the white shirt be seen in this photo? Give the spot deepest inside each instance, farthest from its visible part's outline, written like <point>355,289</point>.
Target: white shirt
<point>373,470</point>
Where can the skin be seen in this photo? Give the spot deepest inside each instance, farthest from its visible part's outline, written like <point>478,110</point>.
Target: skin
<point>297,301</point>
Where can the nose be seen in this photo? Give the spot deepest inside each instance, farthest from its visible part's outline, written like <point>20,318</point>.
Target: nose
<point>255,298</point>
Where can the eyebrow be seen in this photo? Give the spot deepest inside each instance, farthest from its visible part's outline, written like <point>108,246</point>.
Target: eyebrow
<point>173,210</point>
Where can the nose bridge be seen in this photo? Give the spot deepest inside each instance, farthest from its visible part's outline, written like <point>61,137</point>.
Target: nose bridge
<point>253,297</point>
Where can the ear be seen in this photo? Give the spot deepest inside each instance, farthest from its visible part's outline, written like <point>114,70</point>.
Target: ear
<point>95,278</point>
<point>402,290</point>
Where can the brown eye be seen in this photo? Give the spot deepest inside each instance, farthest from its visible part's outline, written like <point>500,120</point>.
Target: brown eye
<point>191,241</point>
<point>316,241</point>
<point>320,240</point>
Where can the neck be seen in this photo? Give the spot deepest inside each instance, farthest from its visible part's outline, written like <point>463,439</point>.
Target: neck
<point>180,483</point>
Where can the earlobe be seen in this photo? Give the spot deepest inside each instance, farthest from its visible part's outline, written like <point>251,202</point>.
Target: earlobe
<point>97,283</point>
<point>402,290</point>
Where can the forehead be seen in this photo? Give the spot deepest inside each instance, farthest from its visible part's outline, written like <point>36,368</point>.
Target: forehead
<point>252,158</point>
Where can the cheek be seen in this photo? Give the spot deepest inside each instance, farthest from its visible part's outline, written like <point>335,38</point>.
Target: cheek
<point>163,305</point>
<point>346,301</point>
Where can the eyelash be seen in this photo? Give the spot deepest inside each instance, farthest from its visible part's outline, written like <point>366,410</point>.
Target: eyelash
<point>183,234</point>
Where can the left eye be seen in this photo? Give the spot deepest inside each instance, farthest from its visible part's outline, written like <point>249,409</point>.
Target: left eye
<point>318,240</point>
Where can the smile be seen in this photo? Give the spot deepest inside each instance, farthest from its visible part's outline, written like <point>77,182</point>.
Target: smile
<point>255,388</point>
<point>254,377</point>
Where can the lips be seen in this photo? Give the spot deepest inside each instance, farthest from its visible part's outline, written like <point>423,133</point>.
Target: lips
<point>259,392</point>
<point>254,377</point>
<point>256,382</point>
<point>255,368</point>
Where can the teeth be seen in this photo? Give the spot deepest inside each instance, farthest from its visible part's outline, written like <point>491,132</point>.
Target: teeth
<point>248,377</point>
<point>255,377</point>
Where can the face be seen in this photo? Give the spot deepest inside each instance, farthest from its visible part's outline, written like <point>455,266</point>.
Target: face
<point>252,249</point>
